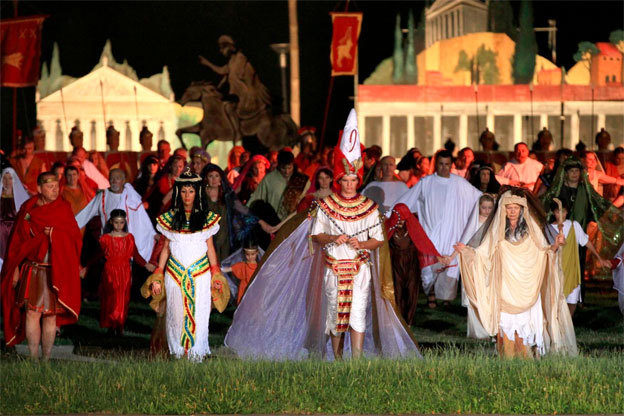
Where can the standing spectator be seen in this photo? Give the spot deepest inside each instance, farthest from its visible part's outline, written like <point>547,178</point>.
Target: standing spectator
<point>465,157</point>
<point>164,152</point>
<point>386,191</point>
<point>75,191</point>
<point>13,196</point>
<point>28,166</point>
<point>521,171</point>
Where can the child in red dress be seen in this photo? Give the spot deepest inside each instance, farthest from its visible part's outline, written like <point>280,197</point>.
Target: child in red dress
<point>118,247</point>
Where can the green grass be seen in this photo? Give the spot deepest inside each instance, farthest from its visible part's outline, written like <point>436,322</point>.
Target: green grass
<point>458,375</point>
<point>445,382</point>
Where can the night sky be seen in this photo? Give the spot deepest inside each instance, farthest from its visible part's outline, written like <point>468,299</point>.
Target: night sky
<point>152,34</point>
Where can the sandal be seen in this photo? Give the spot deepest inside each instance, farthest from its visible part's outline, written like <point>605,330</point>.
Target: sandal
<point>432,302</point>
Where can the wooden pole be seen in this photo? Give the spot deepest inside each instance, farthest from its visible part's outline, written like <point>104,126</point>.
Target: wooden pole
<point>64,114</point>
<point>14,138</point>
<point>295,83</point>
<point>327,102</point>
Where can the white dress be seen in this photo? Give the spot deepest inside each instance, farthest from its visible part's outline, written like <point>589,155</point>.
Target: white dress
<point>362,214</point>
<point>188,287</point>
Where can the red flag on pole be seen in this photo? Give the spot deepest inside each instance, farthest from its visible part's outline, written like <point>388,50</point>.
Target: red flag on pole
<point>20,48</point>
<point>346,31</point>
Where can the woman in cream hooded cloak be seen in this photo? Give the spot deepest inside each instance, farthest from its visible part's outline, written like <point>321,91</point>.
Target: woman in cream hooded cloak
<point>514,281</point>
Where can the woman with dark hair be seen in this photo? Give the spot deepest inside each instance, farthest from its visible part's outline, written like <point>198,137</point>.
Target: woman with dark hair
<point>161,192</point>
<point>146,177</point>
<point>214,179</point>
<point>484,179</point>
<point>321,187</point>
<point>407,166</point>
<point>237,220</point>
<point>192,276</point>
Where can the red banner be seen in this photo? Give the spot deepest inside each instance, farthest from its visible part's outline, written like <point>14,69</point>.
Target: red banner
<point>346,31</point>
<point>20,48</point>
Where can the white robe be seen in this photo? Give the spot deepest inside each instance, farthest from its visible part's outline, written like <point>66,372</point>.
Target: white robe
<point>385,193</point>
<point>361,281</point>
<point>139,224</point>
<point>443,206</point>
<point>526,172</point>
<point>188,248</point>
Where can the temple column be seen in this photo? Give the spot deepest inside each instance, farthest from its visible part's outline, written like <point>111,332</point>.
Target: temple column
<point>543,122</point>
<point>437,133</point>
<point>489,122</point>
<point>463,131</point>
<point>517,124</point>
<point>600,118</point>
<point>385,135</point>
<point>411,134</point>
<point>461,22</point>
<point>574,129</point>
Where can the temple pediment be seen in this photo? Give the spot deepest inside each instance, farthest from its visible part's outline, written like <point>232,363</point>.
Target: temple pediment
<point>108,83</point>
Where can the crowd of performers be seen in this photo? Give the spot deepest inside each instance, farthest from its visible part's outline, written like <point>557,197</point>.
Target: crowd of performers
<point>323,254</point>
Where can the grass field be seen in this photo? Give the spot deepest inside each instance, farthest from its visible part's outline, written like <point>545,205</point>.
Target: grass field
<point>458,375</point>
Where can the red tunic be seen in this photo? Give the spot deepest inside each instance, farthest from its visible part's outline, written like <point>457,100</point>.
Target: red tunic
<point>243,272</point>
<point>117,279</point>
<point>29,242</point>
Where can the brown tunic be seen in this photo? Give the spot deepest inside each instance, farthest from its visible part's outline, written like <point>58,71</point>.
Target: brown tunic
<point>406,274</point>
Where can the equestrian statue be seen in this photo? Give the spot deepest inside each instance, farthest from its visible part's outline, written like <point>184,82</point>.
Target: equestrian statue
<point>239,106</point>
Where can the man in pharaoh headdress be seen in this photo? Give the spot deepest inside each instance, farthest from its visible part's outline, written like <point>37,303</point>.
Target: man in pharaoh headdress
<point>316,302</point>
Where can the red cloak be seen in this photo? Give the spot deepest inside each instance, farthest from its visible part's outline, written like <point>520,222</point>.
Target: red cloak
<point>427,253</point>
<point>28,241</point>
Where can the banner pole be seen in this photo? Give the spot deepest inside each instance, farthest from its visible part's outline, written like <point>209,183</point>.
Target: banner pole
<point>14,139</point>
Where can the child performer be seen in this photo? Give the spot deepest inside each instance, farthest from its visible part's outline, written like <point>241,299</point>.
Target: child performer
<point>245,269</point>
<point>570,263</point>
<point>118,247</point>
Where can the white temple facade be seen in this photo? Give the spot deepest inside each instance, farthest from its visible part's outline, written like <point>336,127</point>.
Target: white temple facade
<point>447,19</point>
<point>110,94</point>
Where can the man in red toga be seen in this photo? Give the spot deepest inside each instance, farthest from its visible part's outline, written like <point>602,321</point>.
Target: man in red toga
<point>40,277</point>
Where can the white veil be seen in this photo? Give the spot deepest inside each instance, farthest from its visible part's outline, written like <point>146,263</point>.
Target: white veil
<point>19,192</point>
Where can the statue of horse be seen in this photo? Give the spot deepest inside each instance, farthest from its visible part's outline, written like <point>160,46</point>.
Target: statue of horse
<point>221,122</point>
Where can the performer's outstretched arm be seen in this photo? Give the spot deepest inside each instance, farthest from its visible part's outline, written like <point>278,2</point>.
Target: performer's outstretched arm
<point>162,261</point>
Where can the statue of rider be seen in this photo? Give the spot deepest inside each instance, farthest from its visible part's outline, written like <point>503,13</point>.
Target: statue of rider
<point>246,96</point>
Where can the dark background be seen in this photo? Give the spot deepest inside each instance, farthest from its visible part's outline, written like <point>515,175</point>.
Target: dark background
<point>152,34</point>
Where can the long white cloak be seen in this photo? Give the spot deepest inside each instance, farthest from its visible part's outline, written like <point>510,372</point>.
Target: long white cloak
<point>139,224</point>
<point>443,206</point>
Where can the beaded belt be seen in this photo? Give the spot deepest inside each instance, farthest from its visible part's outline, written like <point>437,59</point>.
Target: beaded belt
<point>346,271</point>
<point>185,279</point>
